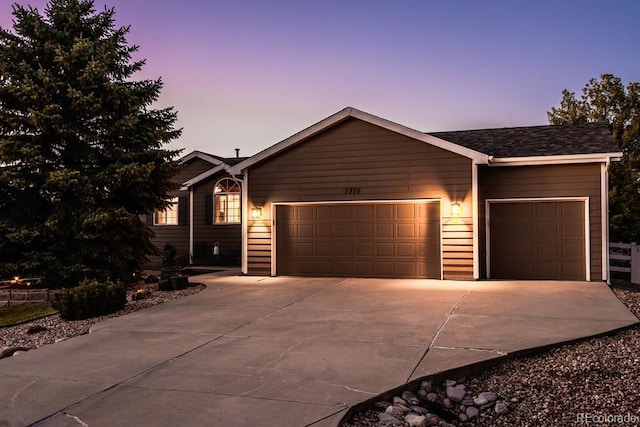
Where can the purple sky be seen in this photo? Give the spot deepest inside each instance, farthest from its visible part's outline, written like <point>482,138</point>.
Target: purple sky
<point>248,74</point>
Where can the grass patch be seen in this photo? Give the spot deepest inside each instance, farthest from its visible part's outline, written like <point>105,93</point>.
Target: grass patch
<point>24,313</point>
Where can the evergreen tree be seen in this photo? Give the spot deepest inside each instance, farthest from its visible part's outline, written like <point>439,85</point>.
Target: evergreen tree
<point>81,151</point>
<point>609,100</point>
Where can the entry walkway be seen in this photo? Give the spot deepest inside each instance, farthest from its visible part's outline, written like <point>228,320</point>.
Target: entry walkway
<point>256,351</point>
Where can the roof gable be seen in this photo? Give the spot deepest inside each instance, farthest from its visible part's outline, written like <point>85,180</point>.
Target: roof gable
<point>366,117</point>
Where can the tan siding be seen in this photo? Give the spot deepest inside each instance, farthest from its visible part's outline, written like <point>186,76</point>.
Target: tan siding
<point>579,180</point>
<point>382,164</point>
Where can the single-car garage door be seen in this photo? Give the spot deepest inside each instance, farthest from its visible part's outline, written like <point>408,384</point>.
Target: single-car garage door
<point>399,239</point>
<point>537,240</point>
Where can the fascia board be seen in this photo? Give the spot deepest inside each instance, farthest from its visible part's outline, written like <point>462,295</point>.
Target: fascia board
<point>206,174</point>
<point>555,160</point>
<point>344,114</point>
<point>200,155</point>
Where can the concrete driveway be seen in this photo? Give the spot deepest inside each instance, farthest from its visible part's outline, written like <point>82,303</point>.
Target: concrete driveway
<point>256,351</point>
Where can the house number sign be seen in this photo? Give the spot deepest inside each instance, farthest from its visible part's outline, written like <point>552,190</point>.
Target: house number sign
<point>352,190</point>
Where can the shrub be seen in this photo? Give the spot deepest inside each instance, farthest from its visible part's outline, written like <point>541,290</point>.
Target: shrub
<point>90,299</point>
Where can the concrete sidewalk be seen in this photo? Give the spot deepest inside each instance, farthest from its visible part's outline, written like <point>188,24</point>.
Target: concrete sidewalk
<point>256,351</point>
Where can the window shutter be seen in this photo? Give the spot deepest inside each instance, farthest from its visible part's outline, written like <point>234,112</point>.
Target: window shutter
<point>150,218</point>
<point>182,211</point>
<point>208,209</point>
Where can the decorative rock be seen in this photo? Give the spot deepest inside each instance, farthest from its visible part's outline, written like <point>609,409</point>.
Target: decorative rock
<point>433,420</point>
<point>447,403</point>
<point>400,400</point>
<point>383,404</point>
<point>426,386</point>
<point>34,329</point>
<point>487,406</point>
<point>463,417</point>
<point>394,411</point>
<point>410,397</point>
<point>479,401</point>
<point>451,383</point>
<point>489,396</point>
<point>431,397</point>
<point>416,420</point>
<point>419,409</point>
<point>472,412</point>
<point>61,339</point>
<point>456,394</point>
<point>389,419</point>
<point>467,401</point>
<point>422,393</point>
<point>501,407</point>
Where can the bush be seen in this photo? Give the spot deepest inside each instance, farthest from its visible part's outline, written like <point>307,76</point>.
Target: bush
<point>90,299</point>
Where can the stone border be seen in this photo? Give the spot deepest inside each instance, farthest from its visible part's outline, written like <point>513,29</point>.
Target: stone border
<point>465,371</point>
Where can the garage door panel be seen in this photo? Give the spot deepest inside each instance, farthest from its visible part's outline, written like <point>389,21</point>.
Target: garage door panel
<point>384,249</point>
<point>305,249</point>
<point>537,240</point>
<point>369,240</point>
<point>364,231</point>
<point>407,231</point>
<point>323,248</point>
<point>385,231</point>
<point>305,230</point>
<point>406,250</point>
<point>363,249</point>
<point>548,230</point>
<point>305,213</point>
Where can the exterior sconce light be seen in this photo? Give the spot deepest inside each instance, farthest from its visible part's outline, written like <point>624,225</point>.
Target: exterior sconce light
<point>256,213</point>
<point>456,210</point>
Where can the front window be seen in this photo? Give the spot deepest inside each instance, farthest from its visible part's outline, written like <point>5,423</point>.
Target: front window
<point>226,202</point>
<point>169,216</point>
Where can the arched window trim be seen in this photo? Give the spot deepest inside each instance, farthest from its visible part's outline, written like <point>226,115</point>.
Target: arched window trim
<point>227,202</point>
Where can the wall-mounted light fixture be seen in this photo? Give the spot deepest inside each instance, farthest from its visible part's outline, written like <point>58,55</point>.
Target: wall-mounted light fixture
<point>256,213</point>
<point>456,210</point>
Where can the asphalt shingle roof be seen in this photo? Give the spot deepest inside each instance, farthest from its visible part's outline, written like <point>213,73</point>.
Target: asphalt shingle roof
<point>549,140</point>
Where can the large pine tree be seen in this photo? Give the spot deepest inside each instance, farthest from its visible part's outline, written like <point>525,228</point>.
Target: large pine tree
<point>81,149</point>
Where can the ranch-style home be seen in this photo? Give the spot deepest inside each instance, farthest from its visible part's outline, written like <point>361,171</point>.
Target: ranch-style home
<point>204,221</point>
<point>358,195</point>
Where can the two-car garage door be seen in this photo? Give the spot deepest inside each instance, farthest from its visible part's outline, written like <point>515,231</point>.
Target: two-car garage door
<point>377,239</point>
<point>542,239</point>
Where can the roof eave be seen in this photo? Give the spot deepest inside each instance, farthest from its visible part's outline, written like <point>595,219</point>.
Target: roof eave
<point>556,160</point>
<point>204,175</point>
<point>200,155</point>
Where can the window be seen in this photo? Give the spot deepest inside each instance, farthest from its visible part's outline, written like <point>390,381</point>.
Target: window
<point>226,202</point>
<point>169,216</point>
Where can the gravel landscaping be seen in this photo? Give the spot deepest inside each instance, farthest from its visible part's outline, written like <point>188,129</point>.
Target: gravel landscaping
<point>593,382</point>
<point>51,329</point>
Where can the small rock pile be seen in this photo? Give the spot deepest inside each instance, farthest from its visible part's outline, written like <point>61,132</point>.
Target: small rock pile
<point>448,404</point>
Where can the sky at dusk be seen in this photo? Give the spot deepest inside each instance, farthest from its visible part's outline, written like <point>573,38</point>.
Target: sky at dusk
<point>247,74</point>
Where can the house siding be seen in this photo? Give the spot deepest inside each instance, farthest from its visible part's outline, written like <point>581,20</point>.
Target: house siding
<point>380,165</point>
<point>576,180</point>
<point>228,236</point>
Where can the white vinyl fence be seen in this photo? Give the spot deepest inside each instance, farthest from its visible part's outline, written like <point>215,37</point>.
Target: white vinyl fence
<point>625,258</point>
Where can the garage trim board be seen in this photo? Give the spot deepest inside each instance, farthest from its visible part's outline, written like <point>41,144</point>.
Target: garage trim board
<point>584,200</point>
<point>276,205</point>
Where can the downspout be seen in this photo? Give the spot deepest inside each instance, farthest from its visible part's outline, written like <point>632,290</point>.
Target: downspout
<point>605,217</point>
<point>191,225</point>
